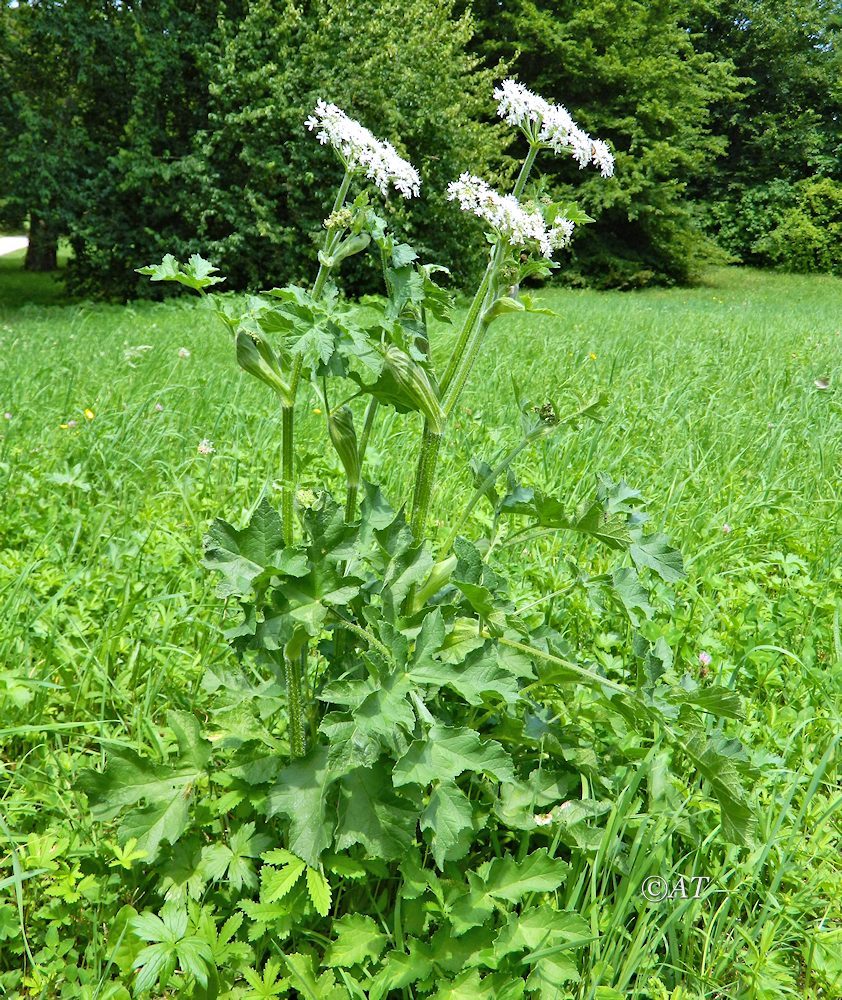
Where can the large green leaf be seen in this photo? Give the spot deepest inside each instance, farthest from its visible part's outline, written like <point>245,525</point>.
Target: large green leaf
<point>241,556</point>
<point>129,779</point>
<point>197,273</point>
<point>358,938</point>
<point>308,599</point>
<point>302,975</point>
<point>402,968</point>
<point>541,927</point>
<point>508,879</point>
<point>372,815</point>
<point>449,818</point>
<point>503,879</point>
<point>301,794</point>
<point>446,752</point>
<point>633,596</point>
<point>655,552</point>
<point>715,762</point>
<point>476,677</point>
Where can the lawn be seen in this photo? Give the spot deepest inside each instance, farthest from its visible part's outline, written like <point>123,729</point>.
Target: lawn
<point>723,410</point>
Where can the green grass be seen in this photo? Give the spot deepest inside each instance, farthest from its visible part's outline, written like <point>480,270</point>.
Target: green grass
<point>20,288</point>
<point>106,618</point>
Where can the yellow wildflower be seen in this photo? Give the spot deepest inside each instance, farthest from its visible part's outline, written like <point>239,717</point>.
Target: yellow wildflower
<point>89,414</point>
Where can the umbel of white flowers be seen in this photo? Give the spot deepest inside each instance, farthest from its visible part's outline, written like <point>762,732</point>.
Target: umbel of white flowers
<point>359,148</point>
<point>551,126</point>
<point>505,214</point>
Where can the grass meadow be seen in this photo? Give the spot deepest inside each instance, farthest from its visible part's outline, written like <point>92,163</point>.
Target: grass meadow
<point>724,410</point>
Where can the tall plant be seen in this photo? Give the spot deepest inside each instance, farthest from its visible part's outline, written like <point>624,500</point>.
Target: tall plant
<point>411,740</point>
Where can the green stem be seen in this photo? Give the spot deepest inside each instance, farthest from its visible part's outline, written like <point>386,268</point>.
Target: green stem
<point>470,352</point>
<point>459,367</point>
<point>288,422</point>
<point>370,414</point>
<point>363,634</point>
<point>297,738</point>
<point>469,323</point>
<point>525,170</point>
<point>425,477</point>
<point>351,502</point>
<point>287,473</point>
<point>325,269</point>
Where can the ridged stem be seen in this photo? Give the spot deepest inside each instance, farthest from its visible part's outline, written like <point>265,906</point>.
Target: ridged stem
<point>424,479</point>
<point>297,737</point>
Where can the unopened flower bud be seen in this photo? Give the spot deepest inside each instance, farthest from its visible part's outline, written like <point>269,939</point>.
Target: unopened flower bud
<point>415,382</point>
<point>340,219</point>
<point>344,438</point>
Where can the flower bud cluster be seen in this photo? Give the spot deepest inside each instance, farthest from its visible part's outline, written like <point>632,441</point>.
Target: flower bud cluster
<point>359,148</point>
<point>507,216</point>
<point>551,125</point>
<point>340,219</point>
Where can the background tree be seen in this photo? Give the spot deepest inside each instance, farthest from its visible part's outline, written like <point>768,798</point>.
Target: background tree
<point>63,91</point>
<point>632,73</point>
<point>215,156</point>
<point>141,195</point>
<point>786,124</point>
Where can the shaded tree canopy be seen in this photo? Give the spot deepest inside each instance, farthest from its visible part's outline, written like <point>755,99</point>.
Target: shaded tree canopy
<point>136,127</point>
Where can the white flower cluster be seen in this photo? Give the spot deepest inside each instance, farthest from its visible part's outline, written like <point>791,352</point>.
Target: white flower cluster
<point>556,129</point>
<point>504,213</point>
<point>359,148</point>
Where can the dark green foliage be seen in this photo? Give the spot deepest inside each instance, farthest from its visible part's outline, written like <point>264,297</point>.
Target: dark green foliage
<point>63,87</point>
<point>784,126</point>
<point>630,73</point>
<point>205,144</point>
<point>808,237</point>
<point>265,183</point>
<point>139,198</point>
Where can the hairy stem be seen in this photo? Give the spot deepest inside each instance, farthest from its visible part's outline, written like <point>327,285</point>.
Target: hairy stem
<point>295,668</point>
<point>425,477</point>
<point>297,738</point>
<point>351,502</point>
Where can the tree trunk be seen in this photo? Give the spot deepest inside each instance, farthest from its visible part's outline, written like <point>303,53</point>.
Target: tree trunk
<point>42,252</point>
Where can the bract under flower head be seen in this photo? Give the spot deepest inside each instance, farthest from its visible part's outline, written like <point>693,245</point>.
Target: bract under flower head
<point>360,148</point>
<point>507,216</point>
<point>551,125</point>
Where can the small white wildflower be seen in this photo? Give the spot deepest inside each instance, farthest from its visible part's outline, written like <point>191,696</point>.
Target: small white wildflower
<point>205,447</point>
<point>183,352</point>
<point>726,529</point>
<point>7,416</point>
<point>551,125</point>
<point>704,659</point>
<point>543,819</point>
<point>505,214</point>
<point>159,407</point>
<point>360,148</point>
